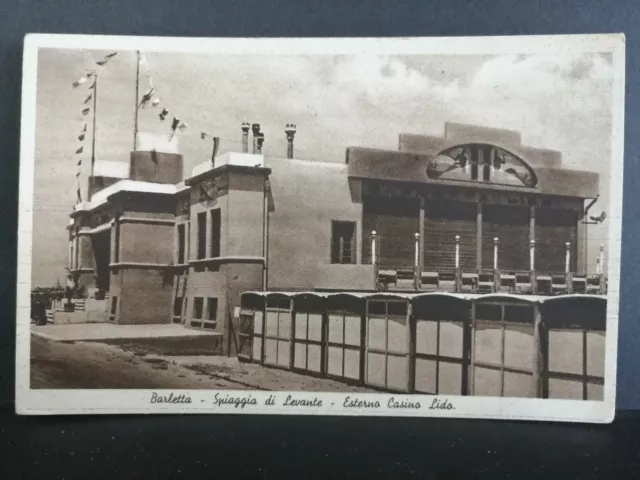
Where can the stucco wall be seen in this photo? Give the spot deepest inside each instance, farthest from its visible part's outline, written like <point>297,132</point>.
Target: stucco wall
<point>156,167</point>
<point>307,196</point>
<point>144,296</point>
<point>244,214</point>
<point>146,243</point>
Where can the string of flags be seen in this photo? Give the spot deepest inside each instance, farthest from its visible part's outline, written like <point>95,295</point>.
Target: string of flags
<point>86,110</point>
<point>177,124</point>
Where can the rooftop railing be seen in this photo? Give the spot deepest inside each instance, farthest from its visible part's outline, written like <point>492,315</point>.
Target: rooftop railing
<point>458,279</point>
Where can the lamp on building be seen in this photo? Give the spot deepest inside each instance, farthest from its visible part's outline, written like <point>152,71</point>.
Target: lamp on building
<point>290,131</point>
<point>255,128</point>
<point>245,137</point>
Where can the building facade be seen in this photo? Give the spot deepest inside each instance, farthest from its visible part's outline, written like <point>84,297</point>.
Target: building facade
<point>471,211</point>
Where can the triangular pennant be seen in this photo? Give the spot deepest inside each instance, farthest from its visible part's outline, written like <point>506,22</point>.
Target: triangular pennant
<point>110,55</point>
<point>84,128</point>
<point>163,114</point>
<point>155,102</point>
<point>79,195</point>
<point>88,99</point>
<point>90,74</point>
<point>146,98</point>
<point>183,126</point>
<point>79,82</point>
<point>79,163</point>
<point>85,111</point>
<point>175,123</point>
<point>80,149</point>
<point>93,85</point>
<point>203,135</point>
<point>81,137</point>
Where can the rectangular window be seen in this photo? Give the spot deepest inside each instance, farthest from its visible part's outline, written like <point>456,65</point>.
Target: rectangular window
<point>116,239</point>
<point>197,307</point>
<point>343,242</point>
<point>177,307</point>
<point>181,243</point>
<point>215,233</point>
<point>202,235</point>
<point>212,309</point>
<point>113,308</point>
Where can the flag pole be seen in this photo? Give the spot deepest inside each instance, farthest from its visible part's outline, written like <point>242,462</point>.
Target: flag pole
<point>93,134</point>
<point>135,120</point>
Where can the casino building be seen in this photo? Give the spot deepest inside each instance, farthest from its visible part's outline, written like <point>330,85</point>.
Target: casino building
<point>472,212</point>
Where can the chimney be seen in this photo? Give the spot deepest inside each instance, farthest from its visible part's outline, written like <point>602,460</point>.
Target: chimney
<point>245,137</point>
<point>259,142</point>
<point>255,128</point>
<point>290,131</point>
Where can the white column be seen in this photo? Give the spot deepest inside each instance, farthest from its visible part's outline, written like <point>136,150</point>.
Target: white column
<point>417,250</point>
<point>532,255</point>
<point>601,260</point>
<point>457,262</point>
<point>495,253</point>
<point>208,238</point>
<point>373,247</point>
<point>567,257</point>
<point>71,254</point>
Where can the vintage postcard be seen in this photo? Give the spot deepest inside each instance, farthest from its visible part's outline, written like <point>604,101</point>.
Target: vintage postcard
<point>402,227</point>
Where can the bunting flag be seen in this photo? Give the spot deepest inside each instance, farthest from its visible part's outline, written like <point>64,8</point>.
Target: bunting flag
<point>81,137</point>
<point>88,99</point>
<point>146,98</point>
<point>79,163</point>
<point>84,128</point>
<point>176,124</point>
<point>85,111</point>
<point>79,196</point>
<point>93,85</point>
<point>79,82</point>
<point>106,58</point>
<point>79,150</point>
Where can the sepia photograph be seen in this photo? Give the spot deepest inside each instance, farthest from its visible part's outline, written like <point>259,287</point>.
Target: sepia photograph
<point>391,227</point>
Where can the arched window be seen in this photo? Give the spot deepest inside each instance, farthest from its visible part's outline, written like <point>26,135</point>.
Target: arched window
<point>481,163</point>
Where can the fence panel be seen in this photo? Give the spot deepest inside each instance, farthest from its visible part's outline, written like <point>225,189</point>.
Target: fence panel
<point>277,332</point>
<point>387,344</point>
<point>441,345</point>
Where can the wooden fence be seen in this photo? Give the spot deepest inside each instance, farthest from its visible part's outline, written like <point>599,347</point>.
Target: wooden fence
<point>433,343</point>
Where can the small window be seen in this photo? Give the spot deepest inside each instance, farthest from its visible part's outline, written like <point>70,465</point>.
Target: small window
<point>197,307</point>
<point>343,242</point>
<point>202,235</point>
<point>114,305</point>
<point>177,307</point>
<point>215,233</point>
<point>212,309</point>
<point>181,243</point>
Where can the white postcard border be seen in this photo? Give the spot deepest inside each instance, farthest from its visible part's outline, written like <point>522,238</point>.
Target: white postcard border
<point>43,402</point>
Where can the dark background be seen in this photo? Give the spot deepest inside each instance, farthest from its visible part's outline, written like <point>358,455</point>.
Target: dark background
<point>307,447</point>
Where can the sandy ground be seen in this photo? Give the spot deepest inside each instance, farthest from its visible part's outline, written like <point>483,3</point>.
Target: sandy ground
<point>96,365</point>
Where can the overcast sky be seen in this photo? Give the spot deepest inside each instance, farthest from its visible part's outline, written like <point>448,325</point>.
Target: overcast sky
<point>559,102</point>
